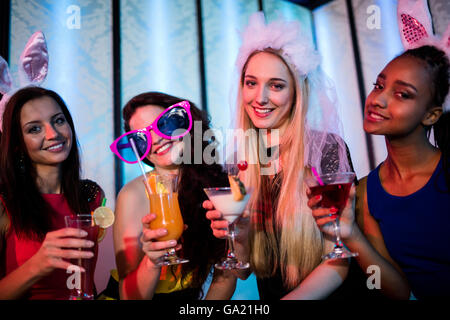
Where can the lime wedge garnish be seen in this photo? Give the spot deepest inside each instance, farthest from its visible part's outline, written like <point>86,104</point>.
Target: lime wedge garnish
<point>103,217</point>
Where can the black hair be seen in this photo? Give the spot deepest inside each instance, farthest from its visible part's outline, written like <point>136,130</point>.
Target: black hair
<point>438,66</point>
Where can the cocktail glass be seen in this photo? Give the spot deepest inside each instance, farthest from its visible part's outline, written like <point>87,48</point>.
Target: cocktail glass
<point>162,191</point>
<point>334,189</point>
<point>84,287</point>
<point>223,201</point>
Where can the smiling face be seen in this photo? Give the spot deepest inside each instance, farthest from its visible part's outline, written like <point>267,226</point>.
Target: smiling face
<point>46,133</point>
<point>268,91</point>
<point>163,152</point>
<point>400,101</point>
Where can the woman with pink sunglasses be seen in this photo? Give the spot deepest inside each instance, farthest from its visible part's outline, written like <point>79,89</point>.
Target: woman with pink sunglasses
<point>156,122</point>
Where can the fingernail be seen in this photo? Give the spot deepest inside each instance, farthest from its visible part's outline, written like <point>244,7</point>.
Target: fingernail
<point>83,233</point>
<point>333,210</point>
<point>90,243</point>
<point>317,197</point>
<point>163,231</point>
<point>172,242</point>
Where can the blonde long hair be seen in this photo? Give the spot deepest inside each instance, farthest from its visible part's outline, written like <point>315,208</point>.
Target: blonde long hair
<point>300,246</point>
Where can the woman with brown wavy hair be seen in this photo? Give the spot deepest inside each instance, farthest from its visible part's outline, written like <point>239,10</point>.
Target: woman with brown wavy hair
<point>136,246</point>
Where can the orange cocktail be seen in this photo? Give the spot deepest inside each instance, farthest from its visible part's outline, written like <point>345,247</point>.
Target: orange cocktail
<point>168,215</point>
<point>163,196</point>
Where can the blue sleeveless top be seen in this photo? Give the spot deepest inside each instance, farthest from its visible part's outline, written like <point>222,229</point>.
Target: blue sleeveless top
<point>416,231</point>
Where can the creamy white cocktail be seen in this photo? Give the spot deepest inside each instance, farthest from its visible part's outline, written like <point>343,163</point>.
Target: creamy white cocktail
<point>223,200</point>
<point>231,209</point>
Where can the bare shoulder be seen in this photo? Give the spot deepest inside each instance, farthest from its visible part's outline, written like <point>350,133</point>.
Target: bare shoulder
<point>136,183</point>
<point>131,206</point>
<point>131,192</point>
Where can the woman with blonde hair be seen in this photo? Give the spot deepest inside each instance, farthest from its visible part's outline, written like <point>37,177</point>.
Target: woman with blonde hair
<point>284,97</point>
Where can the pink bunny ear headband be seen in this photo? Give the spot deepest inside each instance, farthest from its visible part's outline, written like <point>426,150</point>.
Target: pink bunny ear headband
<point>414,22</point>
<point>33,68</point>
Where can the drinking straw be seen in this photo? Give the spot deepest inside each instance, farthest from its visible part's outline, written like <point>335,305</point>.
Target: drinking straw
<point>317,176</point>
<point>133,146</point>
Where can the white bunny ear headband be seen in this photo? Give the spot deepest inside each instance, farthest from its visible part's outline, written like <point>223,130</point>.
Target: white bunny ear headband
<point>278,35</point>
<point>322,121</point>
<point>33,68</point>
<point>414,22</point>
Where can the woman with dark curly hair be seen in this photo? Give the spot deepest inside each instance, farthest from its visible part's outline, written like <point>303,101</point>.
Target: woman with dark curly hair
<point>40,186</point>
<point>136,247</point>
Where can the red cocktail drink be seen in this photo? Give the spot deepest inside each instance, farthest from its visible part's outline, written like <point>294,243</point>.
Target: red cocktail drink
<point>334,189</point>
<point>81,284</point>
<point>333,195</point>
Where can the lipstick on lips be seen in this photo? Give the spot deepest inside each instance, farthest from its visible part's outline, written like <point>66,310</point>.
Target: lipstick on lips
<point>375,116</point>
<point>262,112</point>
<point>163,149</point>
<point>57,147</point>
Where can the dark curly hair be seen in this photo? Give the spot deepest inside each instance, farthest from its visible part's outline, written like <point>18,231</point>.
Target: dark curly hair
<point>199,244</point>
<point>438,65</point>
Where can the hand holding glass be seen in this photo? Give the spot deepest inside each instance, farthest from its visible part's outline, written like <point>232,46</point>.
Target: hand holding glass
<point>84,288</point>
<point>334,189</point>
<point>162,191</point>
<point>222,199</point>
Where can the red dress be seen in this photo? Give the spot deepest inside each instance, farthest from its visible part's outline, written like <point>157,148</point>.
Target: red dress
<point>19,250</point>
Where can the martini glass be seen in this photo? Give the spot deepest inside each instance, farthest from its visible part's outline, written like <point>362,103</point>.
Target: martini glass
<point>334,189</point>
<point>222,199</point>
